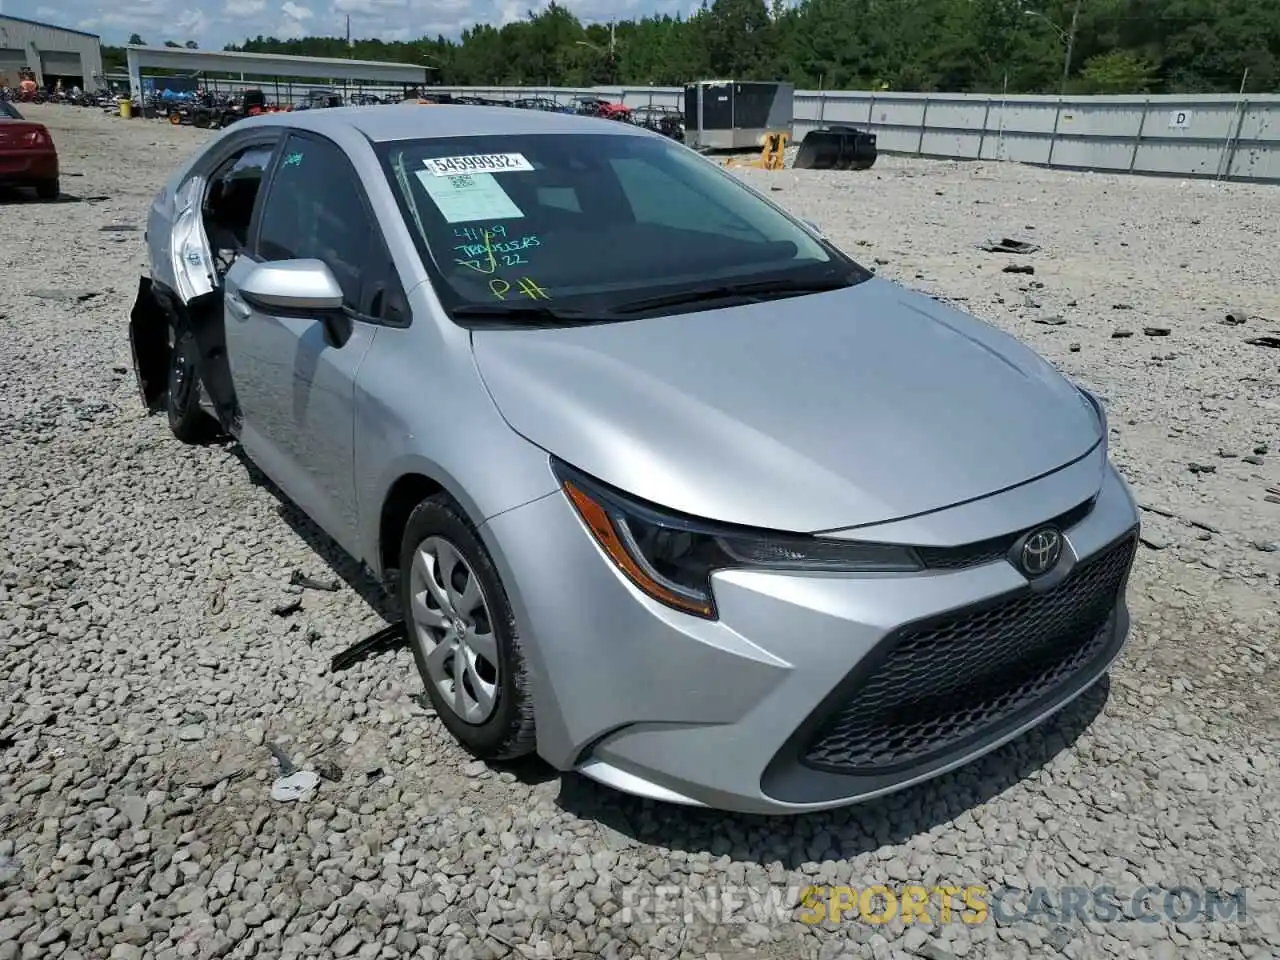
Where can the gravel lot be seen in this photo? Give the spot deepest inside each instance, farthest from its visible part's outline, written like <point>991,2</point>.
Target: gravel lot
<point>144,677</point>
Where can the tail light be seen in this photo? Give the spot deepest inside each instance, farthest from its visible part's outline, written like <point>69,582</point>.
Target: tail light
<point>25,139</point>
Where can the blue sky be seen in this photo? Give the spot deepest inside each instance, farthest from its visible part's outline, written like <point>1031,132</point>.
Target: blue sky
<point>212,26</point>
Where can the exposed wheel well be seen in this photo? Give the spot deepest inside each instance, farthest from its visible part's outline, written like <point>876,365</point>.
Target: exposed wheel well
<point>405,494</point>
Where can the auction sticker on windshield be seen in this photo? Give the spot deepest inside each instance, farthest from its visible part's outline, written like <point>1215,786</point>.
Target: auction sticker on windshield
<point>477,163</point>
<point>462,198</point>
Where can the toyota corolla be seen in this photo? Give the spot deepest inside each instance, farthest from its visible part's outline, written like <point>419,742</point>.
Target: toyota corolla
<point>673,492</point>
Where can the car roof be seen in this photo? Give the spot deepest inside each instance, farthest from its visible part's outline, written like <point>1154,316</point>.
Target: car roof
<point>412,121</point>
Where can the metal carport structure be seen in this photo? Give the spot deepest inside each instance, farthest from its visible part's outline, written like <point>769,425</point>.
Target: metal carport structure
<point>268,65</point>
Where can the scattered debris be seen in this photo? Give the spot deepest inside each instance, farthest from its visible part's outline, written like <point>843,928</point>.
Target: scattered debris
<point>286,607</point>
<point>1202,468</point>
<point>1074,348</point>
<point>1236,316</point>
<point>1162,512</point>
<point>118,228</point>
<point>300,579</point>
<point>1267,546</point>
<point>1156,331</point>
<point>1152,542</point>
<point>1009,245</point>
<point>1019,268</point>
<point>287,765</point>
<point>1054,321</point>
<point>1121,306</point>
<point>1273,495</point>
<point>386,639</point>
<point>10,869</point>
<point>66,296</point>
<point>1253,460</point>
<point>328,770</point>
<point>1121,334</point>
<point>1261,449</point>
<point>297,786</point>
<point>1264,342</point>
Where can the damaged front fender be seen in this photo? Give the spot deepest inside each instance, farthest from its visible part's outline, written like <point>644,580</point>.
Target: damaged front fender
<point>149,343</point>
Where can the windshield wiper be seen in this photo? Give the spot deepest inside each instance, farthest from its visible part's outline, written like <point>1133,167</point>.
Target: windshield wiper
<point>754,290</point>
<point>522,314</point>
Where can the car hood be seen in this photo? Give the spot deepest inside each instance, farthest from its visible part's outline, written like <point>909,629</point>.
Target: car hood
<point>833,410</point>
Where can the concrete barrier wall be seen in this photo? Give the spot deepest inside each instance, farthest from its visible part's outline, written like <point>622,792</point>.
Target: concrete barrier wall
<point>1219,136</point>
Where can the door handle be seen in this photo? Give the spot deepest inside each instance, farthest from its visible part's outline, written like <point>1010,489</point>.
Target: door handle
<point>237,306</point>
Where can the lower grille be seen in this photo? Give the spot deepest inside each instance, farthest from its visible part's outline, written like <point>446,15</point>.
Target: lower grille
<point>937,683</point>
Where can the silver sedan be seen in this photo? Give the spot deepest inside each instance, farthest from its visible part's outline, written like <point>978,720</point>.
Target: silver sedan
<point>675,493</point>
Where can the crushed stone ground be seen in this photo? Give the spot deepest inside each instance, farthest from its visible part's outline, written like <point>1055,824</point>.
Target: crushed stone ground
<point>143,677</point>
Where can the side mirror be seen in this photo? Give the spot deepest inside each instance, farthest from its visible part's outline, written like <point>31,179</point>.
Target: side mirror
<point>292,286</point>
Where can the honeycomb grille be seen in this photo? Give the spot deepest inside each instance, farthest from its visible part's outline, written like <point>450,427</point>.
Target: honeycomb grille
<point>996,548</point>
<point>953,678</point>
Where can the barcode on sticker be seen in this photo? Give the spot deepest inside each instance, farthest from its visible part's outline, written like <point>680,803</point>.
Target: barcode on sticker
<point>477,163</point>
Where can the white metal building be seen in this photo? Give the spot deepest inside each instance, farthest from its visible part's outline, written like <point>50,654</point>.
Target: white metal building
<point>260,65</point>
<point>51,53</point>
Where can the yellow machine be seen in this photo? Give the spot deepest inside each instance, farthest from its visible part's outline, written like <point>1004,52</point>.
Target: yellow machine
<point>772,154</point>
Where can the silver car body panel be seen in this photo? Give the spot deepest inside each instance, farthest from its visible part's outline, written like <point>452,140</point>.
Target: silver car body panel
<point>871,413</point>
<point>838,398</point>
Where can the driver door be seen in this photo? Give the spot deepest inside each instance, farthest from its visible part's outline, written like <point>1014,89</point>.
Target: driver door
<point>295,376</point>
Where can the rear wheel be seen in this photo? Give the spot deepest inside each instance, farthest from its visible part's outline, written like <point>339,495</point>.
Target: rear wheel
<point>187,420</point>
<point>49,189</point>
<point>463,633</point>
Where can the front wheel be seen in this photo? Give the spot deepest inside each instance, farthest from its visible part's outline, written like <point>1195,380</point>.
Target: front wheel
<point>187,420</point>
<point>49,189</point>
<point>463,633</point>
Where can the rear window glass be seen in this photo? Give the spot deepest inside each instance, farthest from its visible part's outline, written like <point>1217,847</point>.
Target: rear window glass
<point>586,219</point>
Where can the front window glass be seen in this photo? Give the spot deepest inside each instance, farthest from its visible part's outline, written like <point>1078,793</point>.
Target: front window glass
<point>591,222</point>
<point>313,210</point>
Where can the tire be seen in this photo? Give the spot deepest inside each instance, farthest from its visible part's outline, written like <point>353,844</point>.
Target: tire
<point>187,421</point>
<point>497,727</point>
<point>49,189</point>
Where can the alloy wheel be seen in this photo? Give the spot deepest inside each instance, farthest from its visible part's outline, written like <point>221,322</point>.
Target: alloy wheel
<point>453,629</point>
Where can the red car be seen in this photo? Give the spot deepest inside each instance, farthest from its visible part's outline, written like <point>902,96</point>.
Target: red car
<point>28,157</point>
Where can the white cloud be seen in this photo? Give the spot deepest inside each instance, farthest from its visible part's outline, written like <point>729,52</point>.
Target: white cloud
<point>296,11</point>
<point>212,26</point>
<point>243,9</point>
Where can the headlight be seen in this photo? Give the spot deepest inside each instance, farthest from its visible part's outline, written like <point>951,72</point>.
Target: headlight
<point>671,558</point>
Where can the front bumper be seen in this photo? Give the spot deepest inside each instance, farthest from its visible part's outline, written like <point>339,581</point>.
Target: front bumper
<point>811,691</point>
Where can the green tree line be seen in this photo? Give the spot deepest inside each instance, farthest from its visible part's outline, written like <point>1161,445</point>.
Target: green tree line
<point>1117,46</point>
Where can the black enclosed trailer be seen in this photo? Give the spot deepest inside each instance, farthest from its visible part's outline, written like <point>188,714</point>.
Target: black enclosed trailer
<point>736,114</point>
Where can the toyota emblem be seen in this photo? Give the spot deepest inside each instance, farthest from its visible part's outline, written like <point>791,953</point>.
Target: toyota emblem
<point>1041,551</point>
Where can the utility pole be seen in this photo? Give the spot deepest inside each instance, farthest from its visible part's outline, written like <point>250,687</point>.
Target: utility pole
<point>348,35</point>
<point>1071,45</point>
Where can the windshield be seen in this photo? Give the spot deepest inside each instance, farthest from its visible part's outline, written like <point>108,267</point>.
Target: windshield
<point>586,223</point>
